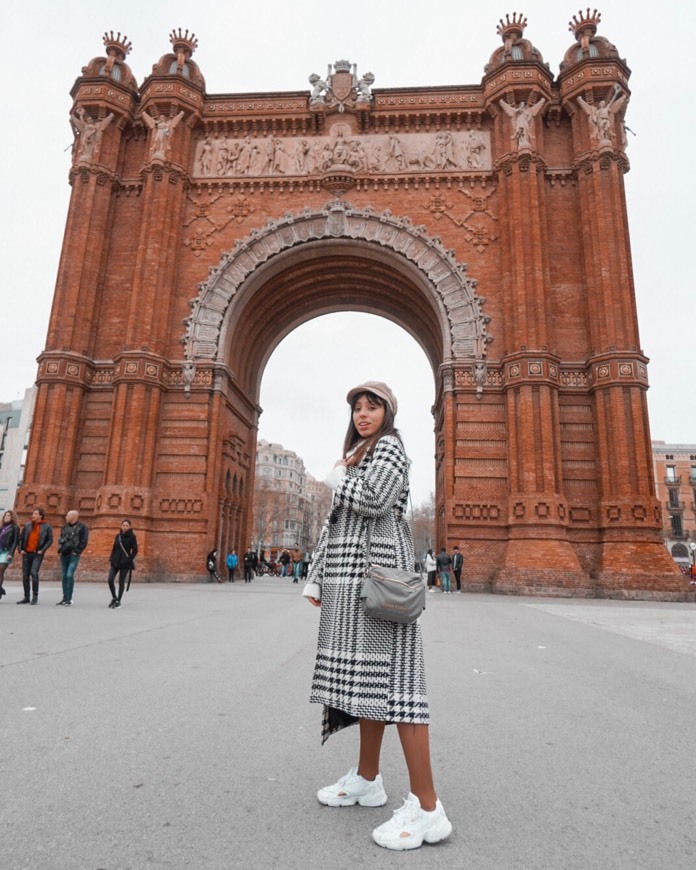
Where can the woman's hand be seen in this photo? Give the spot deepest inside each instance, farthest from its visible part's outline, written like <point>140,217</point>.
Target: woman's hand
<point>315,602</point>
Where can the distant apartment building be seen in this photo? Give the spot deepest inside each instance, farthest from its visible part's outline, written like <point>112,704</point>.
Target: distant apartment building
<point>319,496</point>
<point>675,481</point>
<point>286,500</point>
<point>15,427</point>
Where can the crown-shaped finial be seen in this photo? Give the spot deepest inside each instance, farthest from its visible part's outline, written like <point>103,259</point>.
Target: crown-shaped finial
<point>342,66</point>
<point>585,24</point>
<point>183,43</point>
<point>511,27</point>
<point>117,48</point>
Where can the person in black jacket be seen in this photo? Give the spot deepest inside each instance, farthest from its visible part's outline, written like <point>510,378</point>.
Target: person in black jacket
<point>457,563</point>
<point>122,561</point>
<point>9,538</point>
<point>211,565</point>
<point>36,538</point>
<point>72,541</point>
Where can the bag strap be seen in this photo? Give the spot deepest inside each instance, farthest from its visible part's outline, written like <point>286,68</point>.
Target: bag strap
<point>120,543</point>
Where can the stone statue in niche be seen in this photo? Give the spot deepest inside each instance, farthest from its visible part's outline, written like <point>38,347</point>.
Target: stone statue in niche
<point>522,117</point>
<point>90,133</point>
<point>363,86</point>
<point>601,117</point>
<point>162,129</point>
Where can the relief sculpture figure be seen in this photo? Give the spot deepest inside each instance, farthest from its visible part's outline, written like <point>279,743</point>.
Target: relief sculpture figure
<point>444,151</point>
<point>303,158</point>
<point>206,159</point>
<point>522,117</point>
<point>475,146</point>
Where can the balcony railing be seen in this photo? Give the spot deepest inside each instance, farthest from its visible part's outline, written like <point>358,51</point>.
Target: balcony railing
<point>673,481</point>
<point>675,506</point>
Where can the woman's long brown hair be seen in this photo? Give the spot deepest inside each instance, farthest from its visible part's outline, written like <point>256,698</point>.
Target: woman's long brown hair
<point>353,437</point>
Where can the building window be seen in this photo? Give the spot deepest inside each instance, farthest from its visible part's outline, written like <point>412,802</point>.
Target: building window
<point>692,474</point>
<point>669,456</point>
<point>671,472</point>
<point>674,498</point>
<point>677,528</point>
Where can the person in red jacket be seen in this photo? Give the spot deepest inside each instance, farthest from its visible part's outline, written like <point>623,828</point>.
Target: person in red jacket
<point>36,538</point>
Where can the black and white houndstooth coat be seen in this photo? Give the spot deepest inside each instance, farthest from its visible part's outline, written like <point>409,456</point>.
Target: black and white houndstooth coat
<point>366,668</point>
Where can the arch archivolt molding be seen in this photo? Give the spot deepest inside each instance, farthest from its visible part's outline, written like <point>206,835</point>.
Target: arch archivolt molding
<point>454,290</point>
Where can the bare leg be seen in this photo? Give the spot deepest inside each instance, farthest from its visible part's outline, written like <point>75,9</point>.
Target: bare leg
<point>371,734</point>
<point>415,742</point>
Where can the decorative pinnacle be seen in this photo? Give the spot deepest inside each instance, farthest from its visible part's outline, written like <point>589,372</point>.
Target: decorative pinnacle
<point>117,47</point>
<point>183,43</point>
<point>514,29</point>
<point>587,22</point>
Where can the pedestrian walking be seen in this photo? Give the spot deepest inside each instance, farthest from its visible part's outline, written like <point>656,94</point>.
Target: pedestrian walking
<point>71,543</point>
<point>122,561</point>
<point>9,539</point>
<point>35,539</point>
<point>232,562</point>
<point>284,560</point>
<point>444,566</point>
<point>370,671</point>
<point>248,559</point>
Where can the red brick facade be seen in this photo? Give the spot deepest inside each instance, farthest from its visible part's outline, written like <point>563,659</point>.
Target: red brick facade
<point>200,225</point>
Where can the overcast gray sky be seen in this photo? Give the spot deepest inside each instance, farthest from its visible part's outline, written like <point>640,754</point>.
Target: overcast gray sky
<point>403,43</point>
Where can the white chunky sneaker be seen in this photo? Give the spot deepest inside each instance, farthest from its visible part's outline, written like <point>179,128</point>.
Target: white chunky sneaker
<point>352,789</point>
<point>410,826</point>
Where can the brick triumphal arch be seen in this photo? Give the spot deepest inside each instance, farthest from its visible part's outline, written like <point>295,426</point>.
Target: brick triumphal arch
<point>202,229</point>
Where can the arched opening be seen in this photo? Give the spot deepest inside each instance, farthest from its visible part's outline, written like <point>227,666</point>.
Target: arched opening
<point>336,260</point>
<point>303,398</point>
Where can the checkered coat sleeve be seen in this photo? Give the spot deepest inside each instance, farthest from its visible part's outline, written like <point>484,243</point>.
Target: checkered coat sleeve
<point>366,668</point>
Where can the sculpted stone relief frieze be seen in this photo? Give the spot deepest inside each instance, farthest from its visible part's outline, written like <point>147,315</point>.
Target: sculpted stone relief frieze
<point>443,151</point>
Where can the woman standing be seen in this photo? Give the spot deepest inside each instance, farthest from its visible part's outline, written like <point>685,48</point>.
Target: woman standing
<point>431,568</point>
<point>369,671</point>
<point>122,561</point>
<point>9,538</point>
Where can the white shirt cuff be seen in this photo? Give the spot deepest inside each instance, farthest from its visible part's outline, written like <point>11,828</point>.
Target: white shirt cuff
<point>335,476</point>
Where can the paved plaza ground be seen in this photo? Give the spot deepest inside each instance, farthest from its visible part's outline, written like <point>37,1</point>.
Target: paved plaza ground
<point>175,733</point>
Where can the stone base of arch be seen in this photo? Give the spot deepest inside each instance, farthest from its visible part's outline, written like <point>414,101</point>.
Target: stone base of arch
<point>542,566</point>
<point>640,571</point>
